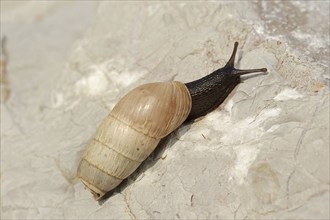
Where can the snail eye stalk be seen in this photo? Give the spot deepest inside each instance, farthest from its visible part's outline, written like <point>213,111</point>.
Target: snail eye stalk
<point>231,62</point>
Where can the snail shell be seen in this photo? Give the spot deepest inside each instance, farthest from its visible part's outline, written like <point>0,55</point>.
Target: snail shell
<point>145,115</point>
<point>131,132</point>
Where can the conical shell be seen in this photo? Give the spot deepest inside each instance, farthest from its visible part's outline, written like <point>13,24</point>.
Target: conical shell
<point>131,132</point>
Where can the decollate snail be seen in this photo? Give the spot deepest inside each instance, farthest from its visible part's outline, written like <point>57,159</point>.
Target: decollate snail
<point>132,130</point>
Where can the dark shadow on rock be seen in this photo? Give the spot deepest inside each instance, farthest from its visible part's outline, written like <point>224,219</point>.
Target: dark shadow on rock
<point>165,143</point>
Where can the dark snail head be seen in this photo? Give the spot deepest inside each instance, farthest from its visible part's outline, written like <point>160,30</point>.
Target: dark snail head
<point>210,91</point>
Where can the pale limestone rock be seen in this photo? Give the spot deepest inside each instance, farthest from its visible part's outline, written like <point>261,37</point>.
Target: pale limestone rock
<point>264,153</point>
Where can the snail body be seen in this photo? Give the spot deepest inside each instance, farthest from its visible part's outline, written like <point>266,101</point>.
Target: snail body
<point>145,115</point>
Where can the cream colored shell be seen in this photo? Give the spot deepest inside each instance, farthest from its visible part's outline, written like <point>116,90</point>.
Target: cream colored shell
<point>131,132</point>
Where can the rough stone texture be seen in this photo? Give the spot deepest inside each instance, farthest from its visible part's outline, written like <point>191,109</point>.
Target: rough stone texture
<point>264,153</point>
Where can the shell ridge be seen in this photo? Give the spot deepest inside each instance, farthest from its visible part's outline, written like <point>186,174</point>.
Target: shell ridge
<point>96,189</point>
<point>104,171</point>
<point>107,146</point>
<point>140,131</point>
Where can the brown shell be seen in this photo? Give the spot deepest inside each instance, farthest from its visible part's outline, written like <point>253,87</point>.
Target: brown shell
<point>131,132</point>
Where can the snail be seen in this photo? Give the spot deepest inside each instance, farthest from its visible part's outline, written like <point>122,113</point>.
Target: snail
<point>145,115</point>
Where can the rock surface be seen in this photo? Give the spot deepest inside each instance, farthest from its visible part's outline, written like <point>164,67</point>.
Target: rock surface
<point>264,153</point>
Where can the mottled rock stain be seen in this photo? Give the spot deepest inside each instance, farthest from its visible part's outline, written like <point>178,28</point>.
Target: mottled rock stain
<point>266,182</point>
